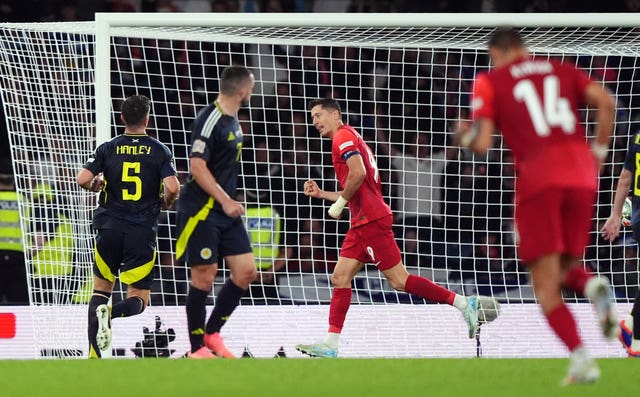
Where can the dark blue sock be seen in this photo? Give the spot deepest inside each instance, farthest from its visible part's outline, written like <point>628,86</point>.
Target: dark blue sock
<point>128,307</point>
<point>196,312</point>
<point>98,298</point>
<point>226,302</point>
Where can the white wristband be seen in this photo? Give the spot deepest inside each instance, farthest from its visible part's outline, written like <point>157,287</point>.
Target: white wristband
<point>469,137</point>
<point>336,208</point>
<point>599,150</point>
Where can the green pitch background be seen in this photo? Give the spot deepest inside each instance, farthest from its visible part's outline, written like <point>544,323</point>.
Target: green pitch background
<point>310,377</point>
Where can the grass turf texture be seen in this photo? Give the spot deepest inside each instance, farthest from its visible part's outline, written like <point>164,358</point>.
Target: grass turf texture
<point>310,377</point>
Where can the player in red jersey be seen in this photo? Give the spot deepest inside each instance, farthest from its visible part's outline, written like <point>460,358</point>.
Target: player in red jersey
<point>370,238</point>
<point>534,104</point>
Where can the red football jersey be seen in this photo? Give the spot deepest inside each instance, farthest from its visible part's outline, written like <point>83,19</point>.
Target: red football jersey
<point>367,204</point>
<point>534,103</point>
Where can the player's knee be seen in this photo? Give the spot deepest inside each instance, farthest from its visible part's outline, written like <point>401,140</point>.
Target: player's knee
<point>250,274</point>
<point>548,298</point>
<point>340,281</point>
<point>202,280</point>
<point>244,276</point>
<point>398,285</point>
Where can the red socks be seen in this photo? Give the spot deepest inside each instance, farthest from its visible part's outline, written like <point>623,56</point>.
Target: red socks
<point>429,290</point>
<point>576,279</point>
<point>340,302</point>
<point>564,325</point>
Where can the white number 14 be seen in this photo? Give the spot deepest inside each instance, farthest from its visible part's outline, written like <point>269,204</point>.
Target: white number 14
<point>553,111</point>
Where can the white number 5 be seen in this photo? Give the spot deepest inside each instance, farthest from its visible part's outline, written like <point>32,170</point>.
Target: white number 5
<point>554,112</point>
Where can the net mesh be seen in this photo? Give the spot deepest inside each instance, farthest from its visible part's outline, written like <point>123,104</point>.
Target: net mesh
<point>402,88</point>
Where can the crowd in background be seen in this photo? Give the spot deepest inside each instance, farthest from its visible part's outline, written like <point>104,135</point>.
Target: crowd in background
<point>404,102</point>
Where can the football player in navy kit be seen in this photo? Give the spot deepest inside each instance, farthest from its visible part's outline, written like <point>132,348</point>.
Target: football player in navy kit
<point>209,219</point>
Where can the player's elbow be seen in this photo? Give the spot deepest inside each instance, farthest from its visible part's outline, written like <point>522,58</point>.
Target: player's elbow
<point>198,169</point>
<point>480,147</point>
<point>84,177</point>
<point>79,180</point>
<point>358,175</point>
<point>171,187</point>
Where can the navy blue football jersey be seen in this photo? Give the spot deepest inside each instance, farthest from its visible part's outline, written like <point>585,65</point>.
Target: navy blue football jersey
<point>133,167</point>
<point>216,138</point>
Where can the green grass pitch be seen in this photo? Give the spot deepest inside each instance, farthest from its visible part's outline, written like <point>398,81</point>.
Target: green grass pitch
<point>310,377</point>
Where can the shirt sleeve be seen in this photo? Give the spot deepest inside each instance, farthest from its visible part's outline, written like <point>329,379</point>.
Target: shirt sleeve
<point>346,144</point>
<point>95,163</point>
<point>482,98</point>
<point>630,159</point>
<point>201,146</point>
<point>168,167</point>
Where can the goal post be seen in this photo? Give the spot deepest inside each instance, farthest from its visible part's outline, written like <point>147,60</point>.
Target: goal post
<point>402,79</point>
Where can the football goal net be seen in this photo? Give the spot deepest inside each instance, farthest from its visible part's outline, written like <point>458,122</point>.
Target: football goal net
<point>402,80</point>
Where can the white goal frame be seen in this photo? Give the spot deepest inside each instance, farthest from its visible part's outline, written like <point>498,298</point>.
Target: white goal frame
<point>106,23</point>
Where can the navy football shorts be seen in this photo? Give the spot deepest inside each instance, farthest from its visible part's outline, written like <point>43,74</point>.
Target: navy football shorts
<point>206,241</point>
<point>129,251</point>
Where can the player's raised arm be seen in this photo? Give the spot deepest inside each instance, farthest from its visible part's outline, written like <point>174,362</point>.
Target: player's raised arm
<point>312,189</point>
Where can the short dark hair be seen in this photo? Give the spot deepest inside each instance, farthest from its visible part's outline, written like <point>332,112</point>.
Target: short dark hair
<point>134,109</point>
<point>326,103</point>
<point>233,78</point>
<point>505,38</point>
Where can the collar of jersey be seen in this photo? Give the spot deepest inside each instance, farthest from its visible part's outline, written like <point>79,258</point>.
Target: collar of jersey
<point>219,108</point>
<point>125,134</point>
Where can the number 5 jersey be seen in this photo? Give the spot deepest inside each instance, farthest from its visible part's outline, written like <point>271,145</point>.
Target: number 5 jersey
<point>133,166</point>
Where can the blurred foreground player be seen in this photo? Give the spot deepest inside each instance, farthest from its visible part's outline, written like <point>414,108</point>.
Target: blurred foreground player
<point>534,104</point>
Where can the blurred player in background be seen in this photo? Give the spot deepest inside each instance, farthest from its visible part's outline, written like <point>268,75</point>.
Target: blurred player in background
<point>130,171</point>
<point>370,238</point>
<point>209,223</point>
<point>534,103</point>
<point>629,335</point>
